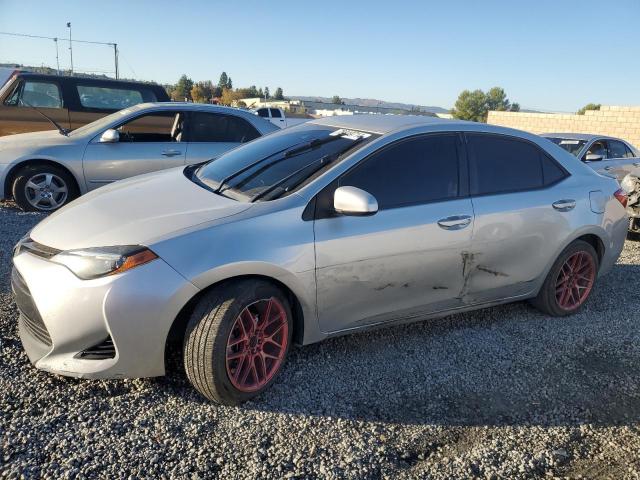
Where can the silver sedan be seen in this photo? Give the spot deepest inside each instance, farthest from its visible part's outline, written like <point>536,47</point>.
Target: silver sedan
<point>318,230</point>
<point>42,171</point>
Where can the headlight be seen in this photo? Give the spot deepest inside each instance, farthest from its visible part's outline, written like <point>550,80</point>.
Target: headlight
<point>629,183</point>
<point>88,263</point>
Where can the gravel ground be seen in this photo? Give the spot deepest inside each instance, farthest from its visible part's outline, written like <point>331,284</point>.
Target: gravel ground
<point>500,393</point>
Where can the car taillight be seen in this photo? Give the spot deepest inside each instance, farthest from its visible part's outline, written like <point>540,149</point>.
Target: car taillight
<point>621,196</point>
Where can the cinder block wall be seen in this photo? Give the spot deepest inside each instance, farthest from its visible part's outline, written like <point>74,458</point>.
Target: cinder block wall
<point>622,122</point>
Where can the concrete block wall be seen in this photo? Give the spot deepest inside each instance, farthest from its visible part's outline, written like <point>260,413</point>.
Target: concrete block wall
<point>615,121</point>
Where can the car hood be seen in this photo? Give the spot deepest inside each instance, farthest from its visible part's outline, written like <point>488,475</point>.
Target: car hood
<point>48,137</point>
<point>136,211</point>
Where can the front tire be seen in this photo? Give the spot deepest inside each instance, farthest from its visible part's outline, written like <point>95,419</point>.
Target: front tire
<point>237,340</point>
<point>41,187</point>
<point>570,281</point>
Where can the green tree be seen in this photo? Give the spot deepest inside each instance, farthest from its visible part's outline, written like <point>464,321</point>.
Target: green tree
<point>229,83</point>
<point>253,91</point>
<point>279,95</point>
<point>336,99</point>
<point>266,93</point>
<point>475,105</point>
<point>224,81</point>
<point>182,89</point>
<point>588,106</point>
<point>260,92</point>
<point>496,99</point>
<point>470,106</point>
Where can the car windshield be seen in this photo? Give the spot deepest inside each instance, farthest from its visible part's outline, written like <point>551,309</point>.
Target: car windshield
<point>279,163</point>
<point>104,121</point>
<point>571,145</point>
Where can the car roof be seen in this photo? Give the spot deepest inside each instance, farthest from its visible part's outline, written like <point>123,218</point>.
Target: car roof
<point>576,136</point>
<point>382,124</point>
<point>45,76</point>
<point>192,106</point>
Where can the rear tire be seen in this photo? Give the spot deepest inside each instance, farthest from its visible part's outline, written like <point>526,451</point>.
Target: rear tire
<point>40,187</point>
<point>569,282</point>
<point>237,340</point>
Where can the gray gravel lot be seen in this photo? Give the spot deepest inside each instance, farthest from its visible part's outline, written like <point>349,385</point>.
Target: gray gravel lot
<point>500,393</point>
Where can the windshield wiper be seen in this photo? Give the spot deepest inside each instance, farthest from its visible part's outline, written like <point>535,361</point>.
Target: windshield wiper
<point>319,164</point>
<point>62,130</point>
<point>286,155</point>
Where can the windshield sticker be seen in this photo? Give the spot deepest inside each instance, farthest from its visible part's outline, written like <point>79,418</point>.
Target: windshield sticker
<point>350,134</point>
<point>569,142</point>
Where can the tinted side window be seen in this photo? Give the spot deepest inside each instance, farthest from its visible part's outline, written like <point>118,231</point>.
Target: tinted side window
<point>263,112</point>
<point>551,171</point>
<point>418,170</point>
<point>109,98</point>
<point>499,164</point>
<point>618,150</point>
<point>275,113</point>
<point>40,94</point>
<point>213,127</point>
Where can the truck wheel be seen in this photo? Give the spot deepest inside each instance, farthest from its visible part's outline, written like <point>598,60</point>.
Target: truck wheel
<point>237,340</point>
<point>43,188</point>
<point>569,282</point>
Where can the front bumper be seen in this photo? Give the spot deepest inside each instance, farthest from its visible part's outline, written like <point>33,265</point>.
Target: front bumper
<point>4,169</point>
<point>62,316</point>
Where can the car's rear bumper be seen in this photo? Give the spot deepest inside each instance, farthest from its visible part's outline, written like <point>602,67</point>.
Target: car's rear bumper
<point>110,327</point>
<point>617,231</point>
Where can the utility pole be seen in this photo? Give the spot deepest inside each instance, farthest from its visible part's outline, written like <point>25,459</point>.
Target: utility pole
<point>70,46</point>
<point>115,56</point>
<point>57,60</point>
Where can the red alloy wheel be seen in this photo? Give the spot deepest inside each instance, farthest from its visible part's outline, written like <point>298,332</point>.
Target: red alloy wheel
<point>257,344</point>
<point>575,280</point>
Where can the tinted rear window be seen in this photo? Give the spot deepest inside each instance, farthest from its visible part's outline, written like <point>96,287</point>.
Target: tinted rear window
<point>213,127</point>
<point>502,164</point>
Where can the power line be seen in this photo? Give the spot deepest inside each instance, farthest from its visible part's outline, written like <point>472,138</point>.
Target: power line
<point>55,39</point>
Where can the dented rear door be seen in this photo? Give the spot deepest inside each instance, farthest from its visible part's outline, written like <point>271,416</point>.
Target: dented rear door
<point>523,212</point>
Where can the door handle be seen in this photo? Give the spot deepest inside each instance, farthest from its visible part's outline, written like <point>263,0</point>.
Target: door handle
<point>456,222</point>
<point>564,205</point>
<point>636,164</point>
<point>608,168</point>
<point>171,153</point>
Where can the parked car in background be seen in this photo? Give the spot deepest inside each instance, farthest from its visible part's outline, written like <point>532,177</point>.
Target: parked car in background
<point>317,230</point>
<point>613,153</point>
<point>42,171</point>
<point>70,101</point>
<point>610,156</point>
<point>274,115</point>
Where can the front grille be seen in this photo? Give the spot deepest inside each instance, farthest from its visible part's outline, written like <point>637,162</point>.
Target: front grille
<point>30,314</point>
<point>101,351</point>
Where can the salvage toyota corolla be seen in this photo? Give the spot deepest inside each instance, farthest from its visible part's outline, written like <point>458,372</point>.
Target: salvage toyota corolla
<point>326,228</point>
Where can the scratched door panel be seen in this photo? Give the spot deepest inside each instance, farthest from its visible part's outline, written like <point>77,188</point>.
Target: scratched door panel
<point>515,237</point>
<point>396,263</point>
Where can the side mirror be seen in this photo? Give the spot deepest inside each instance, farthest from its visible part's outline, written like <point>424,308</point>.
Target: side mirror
<point>354,201</point>
<point>592,157</point>
<point>110,136</point>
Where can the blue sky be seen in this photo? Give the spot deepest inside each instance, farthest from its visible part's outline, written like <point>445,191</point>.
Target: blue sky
<point>553,55</point>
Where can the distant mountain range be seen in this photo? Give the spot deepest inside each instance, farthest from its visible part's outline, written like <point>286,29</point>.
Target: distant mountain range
<point>373,103</point>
